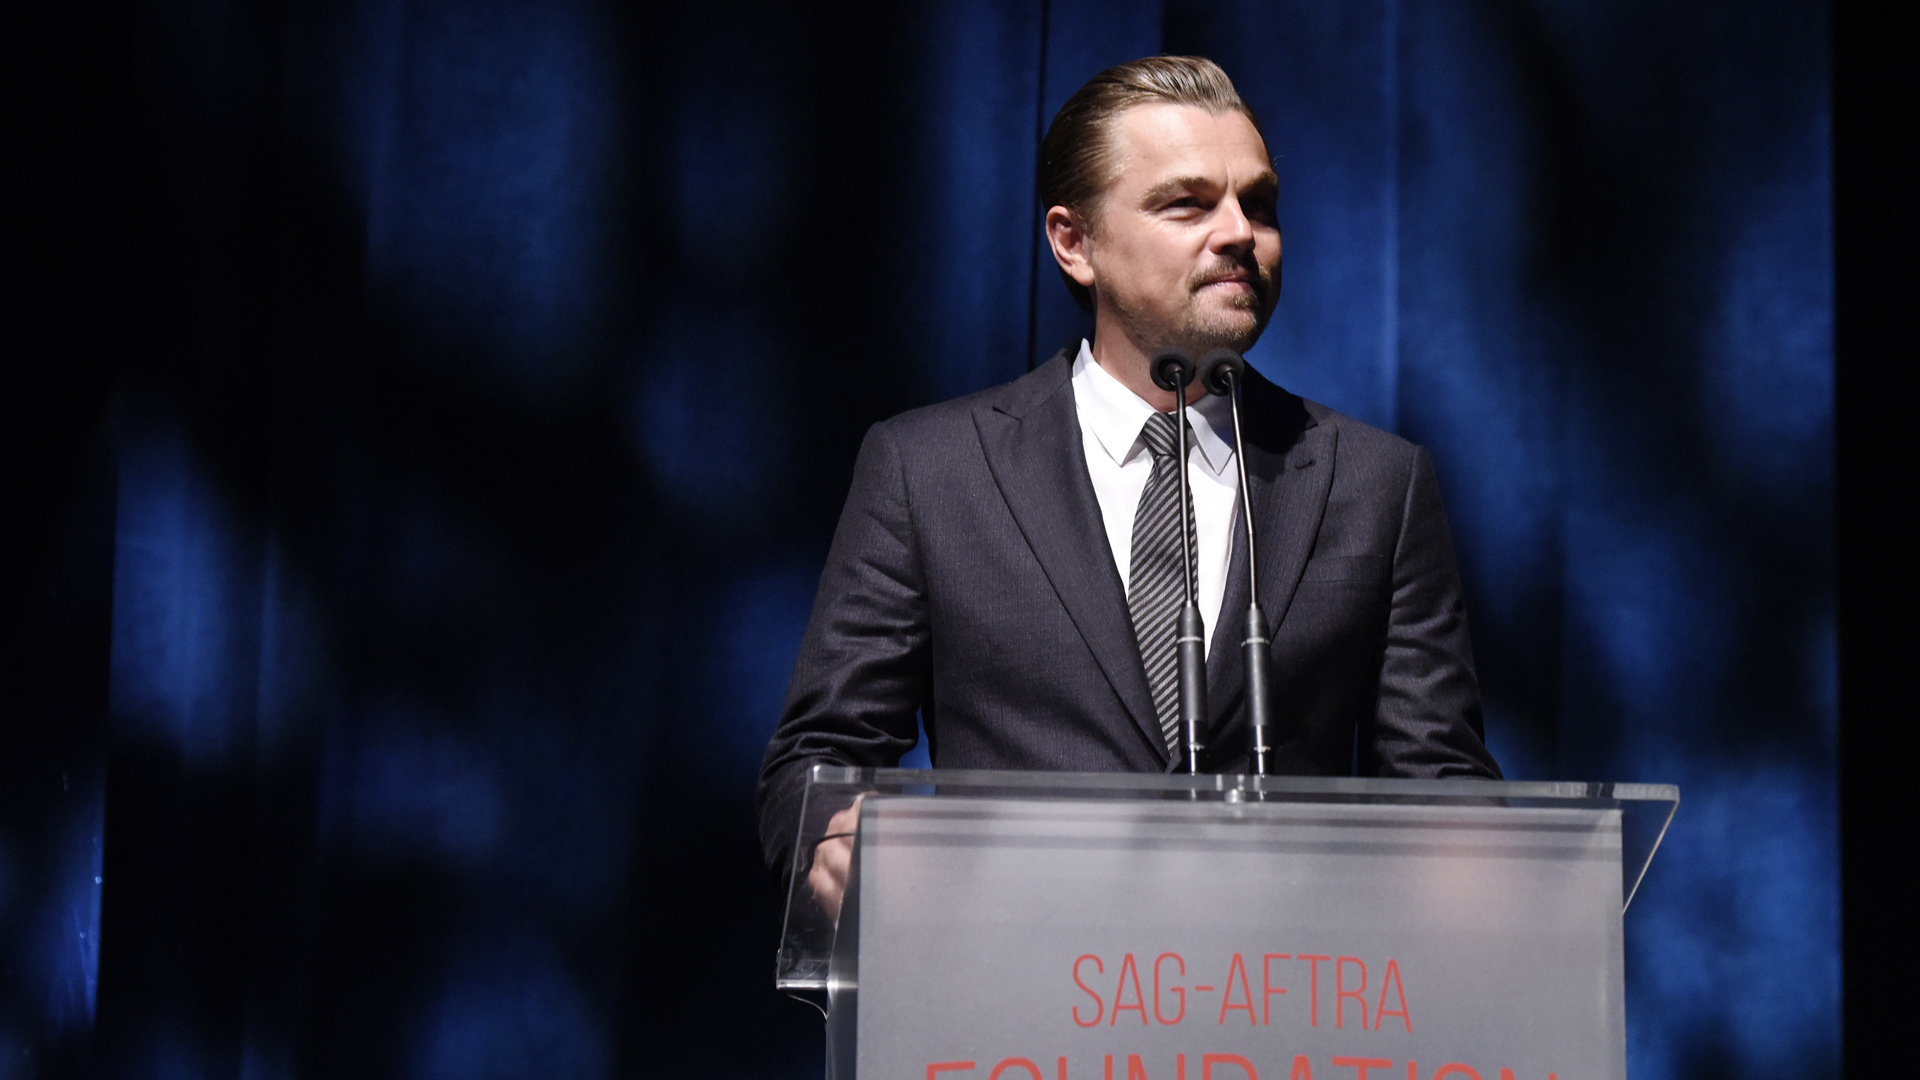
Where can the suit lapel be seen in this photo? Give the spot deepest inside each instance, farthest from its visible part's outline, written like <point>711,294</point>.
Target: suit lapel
<point>1030,434</point>
<point>1289,473</point>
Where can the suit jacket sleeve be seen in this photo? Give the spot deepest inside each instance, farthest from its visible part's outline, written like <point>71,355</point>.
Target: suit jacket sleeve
<point>1427,722</point>
<point>863,671</point>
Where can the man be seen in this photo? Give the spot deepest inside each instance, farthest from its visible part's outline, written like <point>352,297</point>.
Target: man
<point>984,566</point>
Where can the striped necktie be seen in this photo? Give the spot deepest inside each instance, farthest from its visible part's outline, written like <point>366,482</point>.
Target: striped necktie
<point>1155,592</point>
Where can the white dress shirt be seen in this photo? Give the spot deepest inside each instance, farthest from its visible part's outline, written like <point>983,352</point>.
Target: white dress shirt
<point>1118,463</point>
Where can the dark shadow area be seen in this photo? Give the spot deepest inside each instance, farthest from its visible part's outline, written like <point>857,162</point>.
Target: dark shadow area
<point>1874,231</point>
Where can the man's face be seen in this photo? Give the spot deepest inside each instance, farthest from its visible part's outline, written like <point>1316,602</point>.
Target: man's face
<point>1185,247</point>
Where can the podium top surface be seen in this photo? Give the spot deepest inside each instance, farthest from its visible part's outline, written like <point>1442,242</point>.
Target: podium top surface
<point>1230,787</point>
<point>1644,810</point>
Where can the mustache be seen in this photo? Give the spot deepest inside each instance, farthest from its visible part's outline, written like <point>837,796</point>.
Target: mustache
<point>1235,269</point>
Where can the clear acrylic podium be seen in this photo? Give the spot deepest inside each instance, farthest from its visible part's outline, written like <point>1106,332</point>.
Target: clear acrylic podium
<point>1076,926</point>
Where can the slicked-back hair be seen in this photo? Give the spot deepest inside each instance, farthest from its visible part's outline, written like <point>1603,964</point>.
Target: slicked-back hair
<point>1077,158</point>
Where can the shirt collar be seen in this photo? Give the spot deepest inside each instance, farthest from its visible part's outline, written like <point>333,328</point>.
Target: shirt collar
<point>1116,414</point>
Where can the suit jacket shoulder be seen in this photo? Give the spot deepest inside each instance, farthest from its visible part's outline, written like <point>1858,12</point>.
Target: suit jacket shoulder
<point>946,422</point>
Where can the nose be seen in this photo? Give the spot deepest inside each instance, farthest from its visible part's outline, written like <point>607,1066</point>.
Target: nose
<point>1234,230</point>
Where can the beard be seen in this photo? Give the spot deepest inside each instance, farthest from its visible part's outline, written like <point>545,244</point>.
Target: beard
<point>1199,328</point>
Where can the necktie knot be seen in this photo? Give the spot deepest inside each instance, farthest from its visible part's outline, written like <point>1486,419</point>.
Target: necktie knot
<point>1159,435</point>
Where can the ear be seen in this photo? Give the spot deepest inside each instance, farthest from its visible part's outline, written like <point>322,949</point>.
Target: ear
<point>1067,235</point>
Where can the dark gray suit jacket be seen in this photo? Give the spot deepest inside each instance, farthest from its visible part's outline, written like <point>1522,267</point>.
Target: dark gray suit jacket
<point>970,580</point>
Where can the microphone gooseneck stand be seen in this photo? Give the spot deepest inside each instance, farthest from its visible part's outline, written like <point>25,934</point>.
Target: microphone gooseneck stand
<point>1224,374</point>
<point>1172,371</point>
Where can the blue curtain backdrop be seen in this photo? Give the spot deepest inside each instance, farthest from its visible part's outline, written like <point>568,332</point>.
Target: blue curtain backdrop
<point>488,377</point>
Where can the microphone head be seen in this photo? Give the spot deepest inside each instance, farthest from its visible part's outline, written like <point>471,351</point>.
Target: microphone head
<point>1172,370</point>
<point>1221,370</point>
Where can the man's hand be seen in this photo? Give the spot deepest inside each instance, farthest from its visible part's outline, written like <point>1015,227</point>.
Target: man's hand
<point>833,858</point>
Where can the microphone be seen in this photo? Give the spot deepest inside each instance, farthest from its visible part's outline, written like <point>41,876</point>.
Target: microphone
<point>1172,370</point>
<point>1224,373</point>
